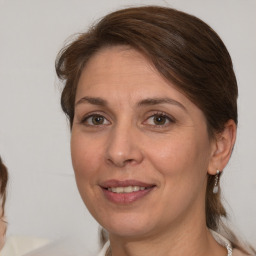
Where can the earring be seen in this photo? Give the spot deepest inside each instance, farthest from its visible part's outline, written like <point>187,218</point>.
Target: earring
<point>216,187</point>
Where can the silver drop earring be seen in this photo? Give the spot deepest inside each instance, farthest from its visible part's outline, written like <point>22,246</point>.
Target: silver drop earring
<point>216,187</point>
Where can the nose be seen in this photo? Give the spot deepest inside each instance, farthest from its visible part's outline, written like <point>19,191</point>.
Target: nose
<point>123,147</point>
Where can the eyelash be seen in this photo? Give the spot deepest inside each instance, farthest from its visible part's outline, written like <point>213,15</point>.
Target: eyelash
<point>86,118</point>
<point>167,117</point>
<point>162,115</point>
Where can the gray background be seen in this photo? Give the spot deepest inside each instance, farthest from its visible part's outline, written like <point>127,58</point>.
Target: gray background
<point>34,136</point>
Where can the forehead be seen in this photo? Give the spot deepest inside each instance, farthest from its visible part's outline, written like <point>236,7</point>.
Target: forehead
<point>124,71</point>
<point>117,63</point>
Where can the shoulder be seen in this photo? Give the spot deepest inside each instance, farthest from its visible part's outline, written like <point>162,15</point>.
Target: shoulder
<point>226,243</point>
<point>237,252</point>
<point>19,245</point>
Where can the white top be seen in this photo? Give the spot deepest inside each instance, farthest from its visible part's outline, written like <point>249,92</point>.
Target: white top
<point>223,241</point>
<point>30,246</point>
<point>219,238</point>
<point>20,245</point>
<point>104,249</point>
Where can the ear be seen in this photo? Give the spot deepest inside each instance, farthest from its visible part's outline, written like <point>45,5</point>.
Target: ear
<point>222,148</point>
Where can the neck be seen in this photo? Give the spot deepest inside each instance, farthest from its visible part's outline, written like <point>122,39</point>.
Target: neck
<point>191,238</point>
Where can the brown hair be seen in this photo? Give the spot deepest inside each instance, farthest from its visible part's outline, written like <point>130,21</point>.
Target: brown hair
<point>184,49</point>
<point>3,184</point>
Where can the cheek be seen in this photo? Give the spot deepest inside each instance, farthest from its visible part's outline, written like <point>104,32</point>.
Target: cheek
<point>181,159</point>
<point>181,163</point>
<point>85,154</point>
<point>87,162</point>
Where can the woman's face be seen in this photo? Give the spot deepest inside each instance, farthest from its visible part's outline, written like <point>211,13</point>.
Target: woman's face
<point>140,148</point>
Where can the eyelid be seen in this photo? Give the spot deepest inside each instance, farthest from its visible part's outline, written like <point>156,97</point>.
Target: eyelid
<point>92,114</point>
<point>170,118</point>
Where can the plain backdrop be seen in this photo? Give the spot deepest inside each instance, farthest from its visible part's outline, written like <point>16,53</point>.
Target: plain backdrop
<point>43,200</point>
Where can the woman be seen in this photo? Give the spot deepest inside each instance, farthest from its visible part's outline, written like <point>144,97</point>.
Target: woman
<point>151,96</point>
<point>3,183</point>
<point>14,245</point>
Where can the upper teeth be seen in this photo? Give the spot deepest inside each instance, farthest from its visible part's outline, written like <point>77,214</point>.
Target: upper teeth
<point>128,189</point>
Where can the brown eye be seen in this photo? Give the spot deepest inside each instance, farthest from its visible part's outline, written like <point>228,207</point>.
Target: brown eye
<point>159,120</point>
<point>95,120</point>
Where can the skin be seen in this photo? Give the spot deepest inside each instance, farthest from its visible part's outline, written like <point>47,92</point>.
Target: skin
<point>2,230</point>
<point>129,142</point>
<point>3,224</point>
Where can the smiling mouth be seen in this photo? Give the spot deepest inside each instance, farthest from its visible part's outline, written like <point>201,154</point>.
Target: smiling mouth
<point>126,192</point>
<point>128,189</point>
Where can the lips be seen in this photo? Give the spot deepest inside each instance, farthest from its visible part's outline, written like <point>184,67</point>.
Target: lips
<point>125,183</point>
<point>128,189</point>
<point>125,192</point>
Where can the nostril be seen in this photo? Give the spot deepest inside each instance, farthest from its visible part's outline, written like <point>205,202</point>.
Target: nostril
<point>128,160</point>
<point>120,162</point>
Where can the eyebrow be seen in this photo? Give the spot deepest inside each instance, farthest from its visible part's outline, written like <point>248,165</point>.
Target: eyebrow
<point>145,102</point>
<point>92,100</point>
<point>157,101</point>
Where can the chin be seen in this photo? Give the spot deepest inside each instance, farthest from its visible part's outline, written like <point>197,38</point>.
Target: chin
<point>128,225</point>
